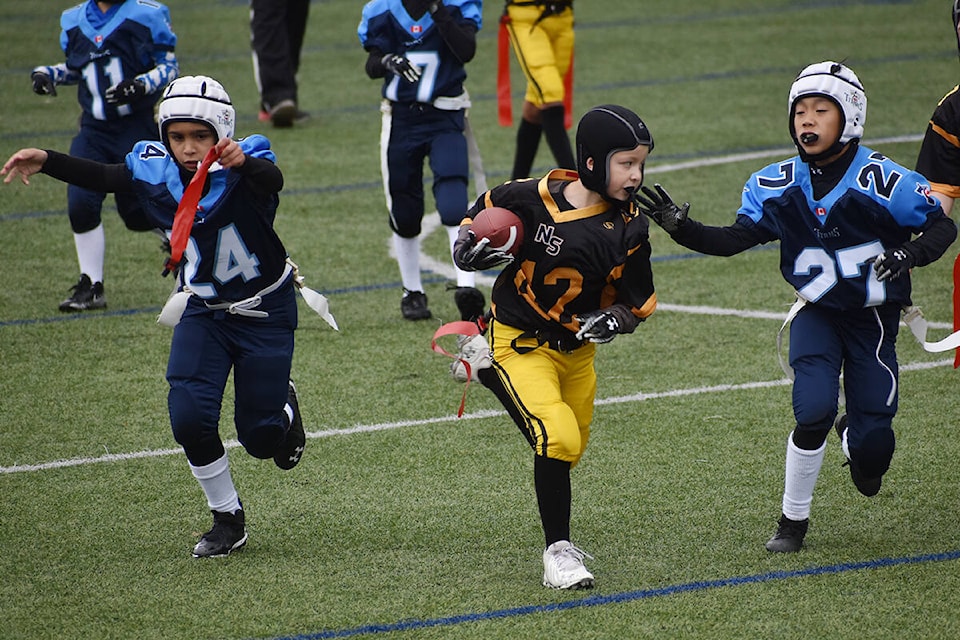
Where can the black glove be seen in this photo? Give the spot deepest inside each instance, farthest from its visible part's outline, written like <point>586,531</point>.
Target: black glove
<point>470,255</point>
<point>43,84</point>
<point>660,207</point>
<point>401,66</point>
<point>598,326</point>
<point>125,92</point>
<point>893,263</point>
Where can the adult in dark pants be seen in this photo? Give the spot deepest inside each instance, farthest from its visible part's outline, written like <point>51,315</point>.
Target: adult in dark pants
<point>277,28</point>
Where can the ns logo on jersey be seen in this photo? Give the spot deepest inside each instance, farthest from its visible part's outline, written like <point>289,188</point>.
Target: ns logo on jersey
<point>547,236</point>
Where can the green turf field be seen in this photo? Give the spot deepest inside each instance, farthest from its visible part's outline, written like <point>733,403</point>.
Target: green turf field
<point>403,521</point>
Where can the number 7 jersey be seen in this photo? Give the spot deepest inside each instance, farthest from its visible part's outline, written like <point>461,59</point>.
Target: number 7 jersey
<point>828,245</point>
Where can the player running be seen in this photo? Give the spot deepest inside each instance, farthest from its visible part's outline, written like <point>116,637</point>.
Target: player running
<point>582,277</point>
<point>240,311</point>
<point>844,216</point>
<point>121,56</point>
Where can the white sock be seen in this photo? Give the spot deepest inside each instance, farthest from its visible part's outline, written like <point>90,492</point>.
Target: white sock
<point>217,485</point>
<point>408,257</point>
<point>802,470</point>
<point>464,278</point>
<point>91,247</point>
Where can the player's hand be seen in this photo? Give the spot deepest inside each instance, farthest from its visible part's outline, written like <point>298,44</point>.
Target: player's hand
<point>401,66</point>
<point>125,92</point>
<point>598,326</point>
<point>659,206</point>
<point>231,155</point>
<point>23,163</point>
<point>43,84</point>
<point>893,263</point>
<point>471,255</point>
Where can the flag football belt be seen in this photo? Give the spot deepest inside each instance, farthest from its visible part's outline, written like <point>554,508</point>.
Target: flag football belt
<point>248,306</point>
<point>562,342</point>
<point>554,8</point>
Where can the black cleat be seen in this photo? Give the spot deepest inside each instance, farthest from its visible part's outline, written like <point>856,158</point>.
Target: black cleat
<point>283,114</point>
<point>867,486</point>
<point>413,305</point>
<point>789,535</point>
<point>291,449</point>
<point>470,303</point>
<point>228,534</point>
<point>86,295</point>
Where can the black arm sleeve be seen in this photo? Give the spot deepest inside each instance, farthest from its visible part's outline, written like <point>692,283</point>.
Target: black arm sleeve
<point>461,37</point>
<point>717,241</point>
<point>934,242</point>
<point>106,178</point>
<point>374,66</point>
<point>262,175</point>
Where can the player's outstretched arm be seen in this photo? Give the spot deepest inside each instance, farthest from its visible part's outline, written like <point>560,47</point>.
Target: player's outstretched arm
<point>23,163</point>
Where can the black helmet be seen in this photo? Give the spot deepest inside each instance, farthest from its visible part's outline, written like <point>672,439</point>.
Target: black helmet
<point>603,131</point>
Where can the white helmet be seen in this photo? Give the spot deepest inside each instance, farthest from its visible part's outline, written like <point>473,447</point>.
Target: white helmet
<point>839,83</point>
<point>197,98</point>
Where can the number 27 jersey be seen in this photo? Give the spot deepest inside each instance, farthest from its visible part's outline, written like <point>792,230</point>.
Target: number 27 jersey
<point>827,246</point>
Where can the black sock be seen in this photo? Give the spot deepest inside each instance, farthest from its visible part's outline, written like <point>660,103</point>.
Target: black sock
<point>552,481</point>
<point>528,139</point>
<point>557,137</point>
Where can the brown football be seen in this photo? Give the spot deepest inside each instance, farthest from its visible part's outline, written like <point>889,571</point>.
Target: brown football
<point>501,226</point>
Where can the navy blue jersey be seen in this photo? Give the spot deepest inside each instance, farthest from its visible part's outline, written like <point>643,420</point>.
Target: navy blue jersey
<point>572,260</point>
<point>102,49</point>
<point>385,25</point>
<point>233,252</point>
<point>827,246</point>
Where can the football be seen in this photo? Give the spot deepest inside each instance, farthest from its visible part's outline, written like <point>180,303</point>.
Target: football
<point>501,226</point>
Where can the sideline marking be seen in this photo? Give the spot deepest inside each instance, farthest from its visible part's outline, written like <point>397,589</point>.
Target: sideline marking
<point>626,596</point>
<point>386,426</point>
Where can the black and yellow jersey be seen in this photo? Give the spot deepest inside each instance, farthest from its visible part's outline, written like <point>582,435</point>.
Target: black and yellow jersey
<point>572,260</point>
<point>939,157</point>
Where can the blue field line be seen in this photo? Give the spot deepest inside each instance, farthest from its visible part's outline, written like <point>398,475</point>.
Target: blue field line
<point>627,596</point>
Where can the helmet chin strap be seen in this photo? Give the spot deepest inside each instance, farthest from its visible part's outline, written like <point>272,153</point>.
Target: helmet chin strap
<point>831,151</point>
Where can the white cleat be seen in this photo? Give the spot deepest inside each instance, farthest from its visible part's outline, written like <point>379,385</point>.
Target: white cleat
<point>563,567</point>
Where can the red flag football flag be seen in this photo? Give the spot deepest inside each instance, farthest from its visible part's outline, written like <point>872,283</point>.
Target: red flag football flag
<point>504,112</point>
<point>187,211</point>
<point>568,95</point>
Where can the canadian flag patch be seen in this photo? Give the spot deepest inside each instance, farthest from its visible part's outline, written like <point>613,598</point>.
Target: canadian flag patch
<point>416,29</point>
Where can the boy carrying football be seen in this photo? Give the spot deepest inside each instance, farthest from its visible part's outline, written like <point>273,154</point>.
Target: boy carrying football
<point>581,276</point>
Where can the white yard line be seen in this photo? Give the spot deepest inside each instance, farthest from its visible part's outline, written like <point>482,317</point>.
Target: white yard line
<point>430,223</point>
<point>388,426</point>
